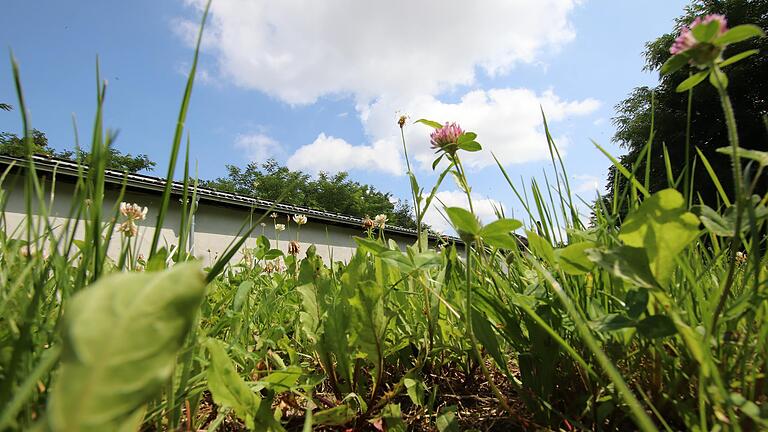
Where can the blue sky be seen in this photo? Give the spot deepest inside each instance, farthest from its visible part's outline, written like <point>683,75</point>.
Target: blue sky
<point>319,86</point>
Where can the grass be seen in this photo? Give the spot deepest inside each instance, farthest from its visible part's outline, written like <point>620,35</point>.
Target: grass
<point>653,318</point>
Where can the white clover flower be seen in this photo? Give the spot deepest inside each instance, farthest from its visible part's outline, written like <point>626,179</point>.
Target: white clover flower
<point>128,228</point>
<point>300,219</point>
<point>279,227</point>
<point>133,211</point>
<point>380,220</point>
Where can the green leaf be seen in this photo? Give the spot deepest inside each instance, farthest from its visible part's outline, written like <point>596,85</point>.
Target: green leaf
<point>738,34</point>
<point>692,81</point>
<point>717,78</point>
<point>613,322</point>
<point>499,233</point>
<point>573,258</point>
<point>437,161</point>
<point>430,123</point>
<point>369,322</point>
<point>540,247</point>
<point>375,247</point>
<point>393,418</point>
<point>738,57</point>
<point>282,380</point>
<point>628,263</point>
<point>120,340</point>
<point>674,63</point>
<point>463,220</point>
<point>447,421</point>
<point>242,295</point>
<point>272,254</point>
<point>470,146</point>
<point>636,302</point>
<point>415,389</point>
<point>656,326</point>
<point>487,338</point>
<point>706,32</point>
<point>662,226</point>
<point>758,156</point>
<point>336,416</point>
<point>466,137</point>
<point>226,386</point>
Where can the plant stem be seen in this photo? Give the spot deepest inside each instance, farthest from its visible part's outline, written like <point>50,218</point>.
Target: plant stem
<point>416,204</point>
<point>733,138</point>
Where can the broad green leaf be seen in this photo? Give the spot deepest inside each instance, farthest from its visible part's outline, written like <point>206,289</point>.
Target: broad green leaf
<point>725,225</point>
<point>470,146</point>
<point>573,258</point>
<point>226,386</point>
<point>758,156</point>
<point>718,78</point>
<point>463,220</point>
<point>613,322</point>
<point>662,227</point>
<point>692,81</point>
<point>738,57</point>
<point>628,263</point>
<point>466,137</point>
<point>499,233</point>
<point>706,32</point>
<point>282,380</point>
<point>243,291</point>
<point>272,254</point>
<point>430,123</point>
<point>656,326</point>
<point>336,416</point>
<point>540,247</point>
<point>415,389</point>
<point>373,246</point>
<point>393,418</point>
<point>369,322</point>
<point>120,340</point>
<point>636,302</point>
<point>447,421</point>
<point>738,34</point>
<point>487,338</point>
<point>674,63</point>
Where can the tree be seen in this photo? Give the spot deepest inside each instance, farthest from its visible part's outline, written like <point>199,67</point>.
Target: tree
<point>329,192</point>
<point>13,145</point>
<point>748,88</point>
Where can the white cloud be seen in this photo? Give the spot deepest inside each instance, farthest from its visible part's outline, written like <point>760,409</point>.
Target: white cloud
<point>485,209</point>
<point>299,51</point>
<point>396,56</point>
<point>508,123</point>
<point>257,147</point>
<point>331,154</point>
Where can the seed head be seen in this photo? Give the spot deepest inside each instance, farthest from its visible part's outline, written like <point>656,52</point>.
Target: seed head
<point>368,223</point>
<point>293,248</point>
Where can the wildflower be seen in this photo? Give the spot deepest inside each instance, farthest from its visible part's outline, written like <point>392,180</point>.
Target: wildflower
<point>380,220</point>
<point>446,138</point>
<point>128,228</point>
<point>368,223</point>
<point>263,224</point>
<point>133,211</point>
<point>269,267</point>
<point>273,215</point>
<point>401,121</point>
<point>300,219</point>
<point>741,258</point>
<point>293,247</point>
<point>24,251</point>
<point>279,227</point>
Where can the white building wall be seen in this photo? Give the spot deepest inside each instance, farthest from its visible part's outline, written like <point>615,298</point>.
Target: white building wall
<point>216,225</point>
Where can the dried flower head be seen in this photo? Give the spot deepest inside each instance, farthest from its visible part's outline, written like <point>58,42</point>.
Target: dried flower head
<point>133,211</point>
<point>300,219</point>
<point>128,228</point>
<point>279,227</point>
<point>293,247</point>
<point>446,138</point>
<point>269,267</point>
<point>401,121</point>
<point>380,220</point>
<point>367,223</point>
<point>741,258</point>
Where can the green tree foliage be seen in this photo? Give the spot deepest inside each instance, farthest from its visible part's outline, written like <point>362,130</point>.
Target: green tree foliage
<point>13,145</point>
<point>748,86</point>
<point>330,192</point>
